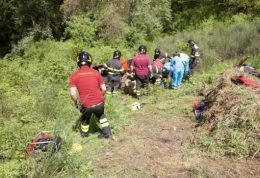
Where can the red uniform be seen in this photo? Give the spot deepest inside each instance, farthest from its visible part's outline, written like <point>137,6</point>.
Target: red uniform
<point>157,63</point>
<point>88,82</point>
<point>140,64</point>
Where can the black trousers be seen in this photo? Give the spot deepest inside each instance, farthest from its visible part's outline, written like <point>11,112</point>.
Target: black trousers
<point>98,110</point>
<point>141,81</point>
<point>193,64</point>
<point>113,82</point>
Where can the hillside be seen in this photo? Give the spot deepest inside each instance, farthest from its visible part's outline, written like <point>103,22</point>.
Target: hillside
<point>163,138</point>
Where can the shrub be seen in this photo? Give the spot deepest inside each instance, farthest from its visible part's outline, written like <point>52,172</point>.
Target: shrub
<point>219,41</point>
<point>81,29</point>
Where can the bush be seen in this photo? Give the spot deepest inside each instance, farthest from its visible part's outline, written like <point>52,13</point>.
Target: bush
<point>34,97</point>
<point>81,29</point>
<point>219,41</point>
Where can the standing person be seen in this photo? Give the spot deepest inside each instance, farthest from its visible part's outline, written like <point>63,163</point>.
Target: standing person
<point>177,70</point>
<point>185,60</point>
<point>115,70</point>
<point>194,56</point>
<point>87,90</point>
<point>141,65</point>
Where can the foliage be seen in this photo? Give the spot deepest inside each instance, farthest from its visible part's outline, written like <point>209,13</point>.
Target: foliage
<point>81,29</point>
<point>34,76</point>
<point>232,127</point>
<point>20,17</point>
<point>151,17</point>
<point>243,40</point>
<point>111,25</point>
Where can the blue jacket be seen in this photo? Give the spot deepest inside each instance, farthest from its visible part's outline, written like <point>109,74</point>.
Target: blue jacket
<point>176,63</point>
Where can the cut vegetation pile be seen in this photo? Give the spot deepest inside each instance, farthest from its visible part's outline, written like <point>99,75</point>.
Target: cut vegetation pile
<point>232,118</point>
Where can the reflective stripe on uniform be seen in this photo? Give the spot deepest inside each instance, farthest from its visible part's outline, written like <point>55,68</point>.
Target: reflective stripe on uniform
<point>111,73</point>
<point>103,120</point>
<point>105,124</point>
<point>84,128</point>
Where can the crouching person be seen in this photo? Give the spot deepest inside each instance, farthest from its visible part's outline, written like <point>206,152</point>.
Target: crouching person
<point>87,90</point>
<point>128,83</point>
<point>166,72</point>
<point>157,68</point>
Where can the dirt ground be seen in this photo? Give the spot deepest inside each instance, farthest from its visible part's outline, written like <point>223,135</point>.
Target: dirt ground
<point>154,146</point>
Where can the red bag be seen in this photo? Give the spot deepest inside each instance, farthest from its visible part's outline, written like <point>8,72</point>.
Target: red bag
<point>249,82</point>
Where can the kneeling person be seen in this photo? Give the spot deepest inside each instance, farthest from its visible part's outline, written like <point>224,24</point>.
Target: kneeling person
<point>157,68</point>
<point>87,90</point>
<point>128,83</point>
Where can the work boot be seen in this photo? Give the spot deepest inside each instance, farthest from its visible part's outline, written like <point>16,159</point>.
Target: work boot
<point>84,134</point>
<point>137,96</point>
<point>101,135</point>
<point>105,132</point>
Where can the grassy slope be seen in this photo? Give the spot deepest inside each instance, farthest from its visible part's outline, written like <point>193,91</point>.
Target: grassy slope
<point>34,95</point>
<point>159,104</point>
<point>157,142</point>
<point>52,109</point>
<point>62,115</point>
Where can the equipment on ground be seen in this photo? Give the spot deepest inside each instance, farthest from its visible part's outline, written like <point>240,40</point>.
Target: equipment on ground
<point>198,110</point>
<point>136,106</point>
<point>43,142</point>
<point>246,81</point>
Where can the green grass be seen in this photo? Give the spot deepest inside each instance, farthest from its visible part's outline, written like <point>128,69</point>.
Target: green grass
<point>63,116</point>
<point>34,96</point>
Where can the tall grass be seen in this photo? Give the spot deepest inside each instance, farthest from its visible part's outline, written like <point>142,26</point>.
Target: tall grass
<point>220,41</point>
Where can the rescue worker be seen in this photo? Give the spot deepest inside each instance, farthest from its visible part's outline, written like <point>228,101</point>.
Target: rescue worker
<point>194,56</point>
<point>157,53</point>
<point>177,70</point>
<point>185,60</point>
<point>141,66</point>
<point>115,72</point>
<point>157,67</point>
<point>87,90</point>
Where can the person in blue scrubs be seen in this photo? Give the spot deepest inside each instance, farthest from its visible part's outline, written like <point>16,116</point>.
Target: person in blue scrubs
<point>177,70</point>
<point>185,60</point>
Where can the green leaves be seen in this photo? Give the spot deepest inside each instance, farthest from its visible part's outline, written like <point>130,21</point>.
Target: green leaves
<point>81,29</point>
